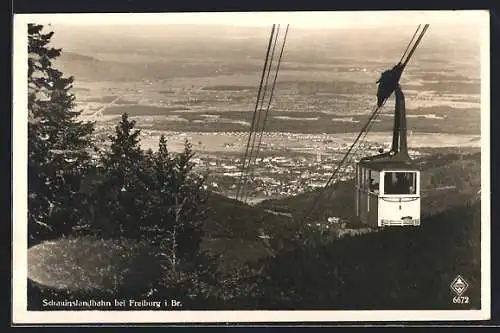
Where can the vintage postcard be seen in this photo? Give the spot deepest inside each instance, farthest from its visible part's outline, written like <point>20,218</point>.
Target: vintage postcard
<point>226,167</point>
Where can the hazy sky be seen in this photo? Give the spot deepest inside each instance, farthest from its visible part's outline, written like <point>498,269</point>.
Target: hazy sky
<point>309,20</point>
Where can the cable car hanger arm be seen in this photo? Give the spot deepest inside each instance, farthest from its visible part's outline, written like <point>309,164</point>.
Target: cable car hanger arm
<point>389,80</point>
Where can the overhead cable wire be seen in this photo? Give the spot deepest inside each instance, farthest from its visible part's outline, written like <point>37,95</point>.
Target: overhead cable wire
<point>318,197</point>
<point>255,111</point>
<point>415,45</point>
<point>271,95</point>
<point>258,116</point>
<point>353,155</point>
<point>409,44</point>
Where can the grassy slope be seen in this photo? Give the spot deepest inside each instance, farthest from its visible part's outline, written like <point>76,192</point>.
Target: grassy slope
<point>86,263</point>
<point>232,229</point>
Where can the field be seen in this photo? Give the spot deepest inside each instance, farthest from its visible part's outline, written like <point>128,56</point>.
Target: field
<point>325,84</point>
<point>324,94</point>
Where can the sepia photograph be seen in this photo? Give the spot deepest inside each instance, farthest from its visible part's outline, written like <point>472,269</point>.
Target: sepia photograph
<point>224,167</point>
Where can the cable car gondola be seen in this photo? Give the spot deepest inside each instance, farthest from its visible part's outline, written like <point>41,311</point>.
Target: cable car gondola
<point>388,184</point>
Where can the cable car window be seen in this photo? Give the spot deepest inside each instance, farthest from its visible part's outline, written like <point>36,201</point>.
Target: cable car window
<point>400,183</point>
<point>367,178</point>
<point>374,181</point>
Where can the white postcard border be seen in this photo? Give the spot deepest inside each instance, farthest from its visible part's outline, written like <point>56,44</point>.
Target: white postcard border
<point>20,314</point>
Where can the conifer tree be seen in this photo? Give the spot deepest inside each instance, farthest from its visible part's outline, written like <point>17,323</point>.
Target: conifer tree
<point>188,187</point>
<point>122,195</point>
<point>180,197</point>
<point>58,143</point>
<point>177,203</point>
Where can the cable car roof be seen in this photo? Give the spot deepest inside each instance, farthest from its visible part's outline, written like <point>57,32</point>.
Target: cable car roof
<point>388,162</point>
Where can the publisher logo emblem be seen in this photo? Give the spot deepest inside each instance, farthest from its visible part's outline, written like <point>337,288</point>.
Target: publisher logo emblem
<point>459,285</point>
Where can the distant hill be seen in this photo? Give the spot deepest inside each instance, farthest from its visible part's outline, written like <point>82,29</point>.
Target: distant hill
<point>84,67</point>
<point>72,56</point>
<point>119,67</point>
<point>447,179</point>
<point>303,44</point>
<point>155,51</point>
